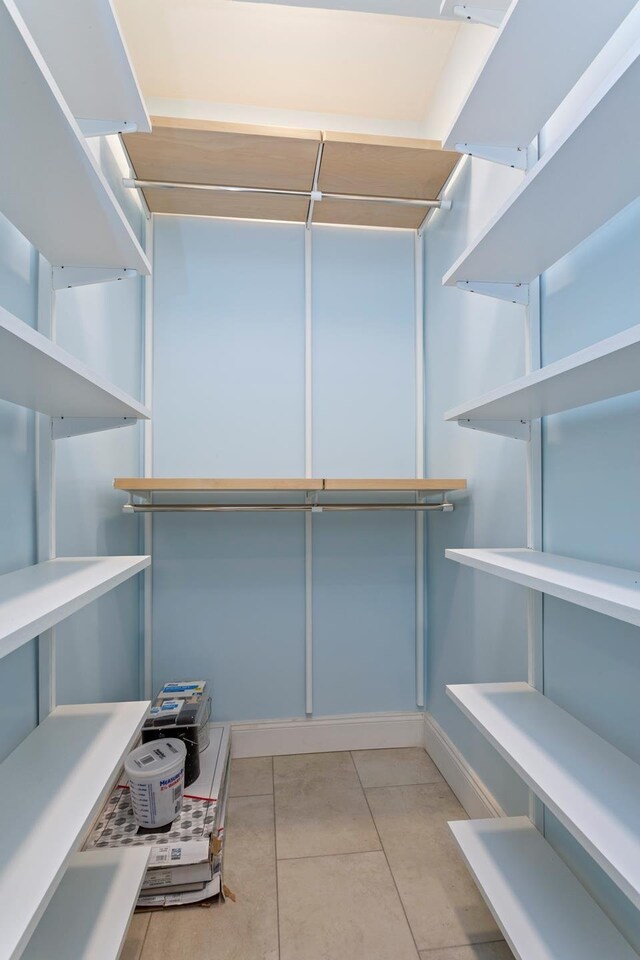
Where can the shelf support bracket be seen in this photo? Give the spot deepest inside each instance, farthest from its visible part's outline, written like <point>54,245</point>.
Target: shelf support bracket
<point>474,14</point>
<point>64,277</point>
<point>76,426</point>
<point>104,128</point>
<point>517,157</point>
<point>517,429</point>
<point>513,292</point>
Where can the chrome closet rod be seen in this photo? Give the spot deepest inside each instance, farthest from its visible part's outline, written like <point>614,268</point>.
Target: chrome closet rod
<point>316,195</point>
<point>281,507</point>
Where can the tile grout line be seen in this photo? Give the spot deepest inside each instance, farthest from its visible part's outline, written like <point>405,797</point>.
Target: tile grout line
<point>320,856</point>
<point>145,935</point>
<point>275,853</point>
<point>395,885</point>
<point>457,946</point>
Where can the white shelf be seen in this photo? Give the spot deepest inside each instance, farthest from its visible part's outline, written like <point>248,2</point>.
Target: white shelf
<point>51,187</point>
<point>84,48</point>
<point>613,591</point>
<point>35,598</point>
<point>541,908</point>
<point>89,914</point>
<point>590,786</point>
<point>607,369</point>
<point>53,785</point>
<point>584,179</point>
<point>499,110</point>
<point>36,373</point>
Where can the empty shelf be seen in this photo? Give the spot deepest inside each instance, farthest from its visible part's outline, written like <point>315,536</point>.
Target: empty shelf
<point>35,598</point>
<point>89,914</point>
<point>590,786</point>
<point>36,373</point>
<point>185,484</point>
<point>607,369</point>
<point>51,187</point>
<point>86,53</point>
<point>585,178</point>
<point>499,110</point>
<point>613,591</point>
<point>53,785</point>
<point>406,483</point>
<point>543,911</point>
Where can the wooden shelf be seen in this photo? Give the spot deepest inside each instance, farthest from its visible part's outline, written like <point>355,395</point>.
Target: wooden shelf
<point>54,784</point>
<point>607,369</point>
<point>89,914</point>
<point>36,373</point>
<point>585,178</point>
<point>591,787</point>
<point>51,187</point>
<point>612,591</point>
<point>499,110</point>
<point>184,484</point>
<point>243,155</point>
<point>540,906</point>
<point>36,598</point>
<point>84,48</point>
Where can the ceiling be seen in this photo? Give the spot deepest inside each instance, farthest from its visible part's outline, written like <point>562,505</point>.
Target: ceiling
<point>288,57</point>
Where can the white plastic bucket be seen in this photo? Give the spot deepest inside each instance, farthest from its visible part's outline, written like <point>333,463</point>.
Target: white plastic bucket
<point>156,780</point>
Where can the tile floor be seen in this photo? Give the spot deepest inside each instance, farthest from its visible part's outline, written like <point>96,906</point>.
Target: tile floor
<point>334,856</point>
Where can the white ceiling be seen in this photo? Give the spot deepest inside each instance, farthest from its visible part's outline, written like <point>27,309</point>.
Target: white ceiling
<point>337,62</point>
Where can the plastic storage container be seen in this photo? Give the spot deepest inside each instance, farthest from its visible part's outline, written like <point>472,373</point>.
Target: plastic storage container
<point>156,781</point>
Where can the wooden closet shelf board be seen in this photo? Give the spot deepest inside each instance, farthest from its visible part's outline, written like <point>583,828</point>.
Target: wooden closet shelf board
<point>384,167</point>
<point>53,785</point>
<point>183,484</point>
<point>368,214</point>
<point>234,155</point>
<point>51,187</point>
<point>89,914</point>
<point>396,484</point>
<point>540,906</point>
<point>239,206</point>
<point>589,785</point>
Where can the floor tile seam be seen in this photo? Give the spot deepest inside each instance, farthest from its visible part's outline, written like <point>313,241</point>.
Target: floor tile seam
<point>458,946</point>
<point>391,873</point>
<point>275,859</point>
<point>248,796</point>
<point>145,935</point>
<point>322,856</point>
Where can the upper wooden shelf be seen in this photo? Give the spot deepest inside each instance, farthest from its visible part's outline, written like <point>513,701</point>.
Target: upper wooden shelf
<point>242,155</point>
<point>84,48</point>
<point>185,484</point>
<point>499,110</point>
<point>51,187</point>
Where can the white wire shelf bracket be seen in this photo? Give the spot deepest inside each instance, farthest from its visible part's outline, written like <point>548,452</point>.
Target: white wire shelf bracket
<point>589,785</point>
<point>612,591</point>
<point>609,368</point>
<point>84,48</point>
<point>101,887</point>
<point>51,187</point>
<point>35,598</point>
<point>54,784</point>
<point>37,373</point>
<point>542,909</point>
<point>499,118</point>
<point>556,206</point>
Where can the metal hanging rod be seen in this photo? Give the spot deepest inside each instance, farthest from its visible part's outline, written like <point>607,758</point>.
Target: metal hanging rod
<point>315,195</point>
<point>280,507</point>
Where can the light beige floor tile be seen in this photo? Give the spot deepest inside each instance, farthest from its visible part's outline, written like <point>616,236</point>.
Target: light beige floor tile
<point>252,777</point>
<point>442,902</point>
<point>477,951</point>
<point>320,807</point>
<point>135,936</point>
<point>341,908</point>
<point>245,930</point>
<point>391,768</point>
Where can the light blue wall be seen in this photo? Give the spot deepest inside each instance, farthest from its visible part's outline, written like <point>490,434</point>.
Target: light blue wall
<point>476,624</point>
<point>18,680</point>
<point>228,591</point>
<point>592,511</point>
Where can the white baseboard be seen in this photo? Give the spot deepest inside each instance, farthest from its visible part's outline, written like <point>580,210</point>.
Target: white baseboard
<point>323,734</point>
<point>463,780</point>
